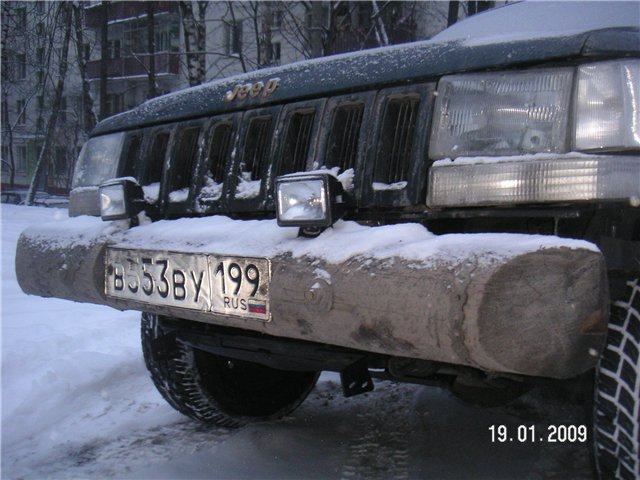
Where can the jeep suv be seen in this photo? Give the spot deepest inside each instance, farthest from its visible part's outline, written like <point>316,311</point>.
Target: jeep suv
<point>461,212</point>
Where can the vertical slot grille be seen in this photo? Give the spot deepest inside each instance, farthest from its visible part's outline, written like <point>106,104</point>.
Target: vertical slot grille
<point>297,142</point>
<point>156,162</point>
<point>257,142</point>
<point>131,156</point>
<point>342,148</point>
<point>396,140</point>
<point>184,158</point>
<point>219,151</point>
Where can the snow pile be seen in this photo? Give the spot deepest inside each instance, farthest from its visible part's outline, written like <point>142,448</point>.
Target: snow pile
<point>379,186</point>
<point>179,195</point>
<point>247,188</point>
<point>151,192</point>
<point>347,239</point>
<point>211,189</point>
<point>72,373</point>
<point>345,178</point>
<point>66,231</point>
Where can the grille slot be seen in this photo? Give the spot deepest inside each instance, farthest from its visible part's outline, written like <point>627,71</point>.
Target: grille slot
<point>219,151</point>
<point>185,157</point>
<point>257,142</point>
<point>156,162</point>
<point>396,139</point>
<point>342,148</point>
<point>297,142</point>
<point>131,156</point>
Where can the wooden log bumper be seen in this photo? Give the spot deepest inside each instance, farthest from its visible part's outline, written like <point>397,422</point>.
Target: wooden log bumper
<point>541,313</point>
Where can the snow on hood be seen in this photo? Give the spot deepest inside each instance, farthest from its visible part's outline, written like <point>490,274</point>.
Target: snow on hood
<point>533,19</point>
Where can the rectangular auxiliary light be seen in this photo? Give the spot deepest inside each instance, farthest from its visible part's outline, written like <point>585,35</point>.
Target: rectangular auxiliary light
<point>527,179</point>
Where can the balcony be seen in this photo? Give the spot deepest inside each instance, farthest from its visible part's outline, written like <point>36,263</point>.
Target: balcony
<point>138,66</point>
<point>122,11</point>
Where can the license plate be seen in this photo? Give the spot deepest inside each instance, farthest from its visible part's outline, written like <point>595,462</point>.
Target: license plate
<point>212,283</point>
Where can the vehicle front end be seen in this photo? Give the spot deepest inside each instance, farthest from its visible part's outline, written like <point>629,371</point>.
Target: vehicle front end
<point>451,213</point>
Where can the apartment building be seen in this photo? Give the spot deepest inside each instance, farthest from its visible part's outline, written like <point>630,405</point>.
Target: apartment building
<point>31,35</point>
<point>238,37</point>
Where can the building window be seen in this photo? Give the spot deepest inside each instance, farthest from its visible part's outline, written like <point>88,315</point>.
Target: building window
<point>39,28</point>
<point>21,158</point>
<point>6,62</point>
<point>40,124</point>
<point>115,103</point>
<point>21,18</point>
<point>275,53</point>
<point>39,76</point>
<point>40,55</point>
<point>87,52</point>
<point>40,101</point>
<point>60,161</point>
<point>21,66</point>
<point>21,112</point>
<point>135,37</point>
<point>5,115</point>
<point>233,34</point>
<point>277,18</point>
<point>63,109</point>
<point>163,41</point>
<point>114,49</point>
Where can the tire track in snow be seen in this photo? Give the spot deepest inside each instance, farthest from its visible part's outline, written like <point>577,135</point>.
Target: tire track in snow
<point>375,452</point>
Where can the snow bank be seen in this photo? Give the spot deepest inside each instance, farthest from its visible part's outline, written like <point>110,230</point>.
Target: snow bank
<point>72,374</point>
<point>347,239</point>
<point>82,230</point>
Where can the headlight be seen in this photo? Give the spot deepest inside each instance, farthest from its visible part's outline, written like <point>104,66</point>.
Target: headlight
<point>535,179</point>
<point>508,113</point>
<point>97,163</point>
<point>120,199</point>
<point>305,200</point>
<point>607,110</point>
<point>98,160</point>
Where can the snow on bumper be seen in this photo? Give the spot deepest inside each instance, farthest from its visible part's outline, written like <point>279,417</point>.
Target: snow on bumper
<point>534,305</point>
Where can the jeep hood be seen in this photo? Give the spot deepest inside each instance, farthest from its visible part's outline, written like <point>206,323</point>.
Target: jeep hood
<point>451,51</point>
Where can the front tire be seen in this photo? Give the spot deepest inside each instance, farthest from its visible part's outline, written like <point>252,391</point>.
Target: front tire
<point>214,389</point>
<point>617,399</point>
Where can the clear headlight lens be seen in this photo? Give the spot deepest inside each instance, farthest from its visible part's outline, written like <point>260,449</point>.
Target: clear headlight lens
<point>98,160</point>
<point>505,113</point>
<point>302,201</point>
<point>607,109</point>
<point>534,180</point>
<point>113,202</point>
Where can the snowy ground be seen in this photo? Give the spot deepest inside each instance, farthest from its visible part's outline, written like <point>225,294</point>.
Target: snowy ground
<point>77,402</point>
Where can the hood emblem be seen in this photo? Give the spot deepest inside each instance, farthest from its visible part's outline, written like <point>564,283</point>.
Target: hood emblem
<point>252,90</point>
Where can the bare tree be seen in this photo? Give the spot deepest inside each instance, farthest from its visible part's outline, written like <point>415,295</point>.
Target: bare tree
<point>452,17</point>
<point>89,119</point>
<point>44,155</point>
<point>104,59</point>
<point>152,90</point>
<point>10,162</point>
<point>194,40</point>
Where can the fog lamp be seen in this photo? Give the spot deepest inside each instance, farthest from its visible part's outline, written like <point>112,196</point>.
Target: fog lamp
<point>307,200</point>
<point>120,199</point>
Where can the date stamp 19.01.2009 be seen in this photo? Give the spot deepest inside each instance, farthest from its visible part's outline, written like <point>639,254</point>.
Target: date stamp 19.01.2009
<point>535,434</point>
